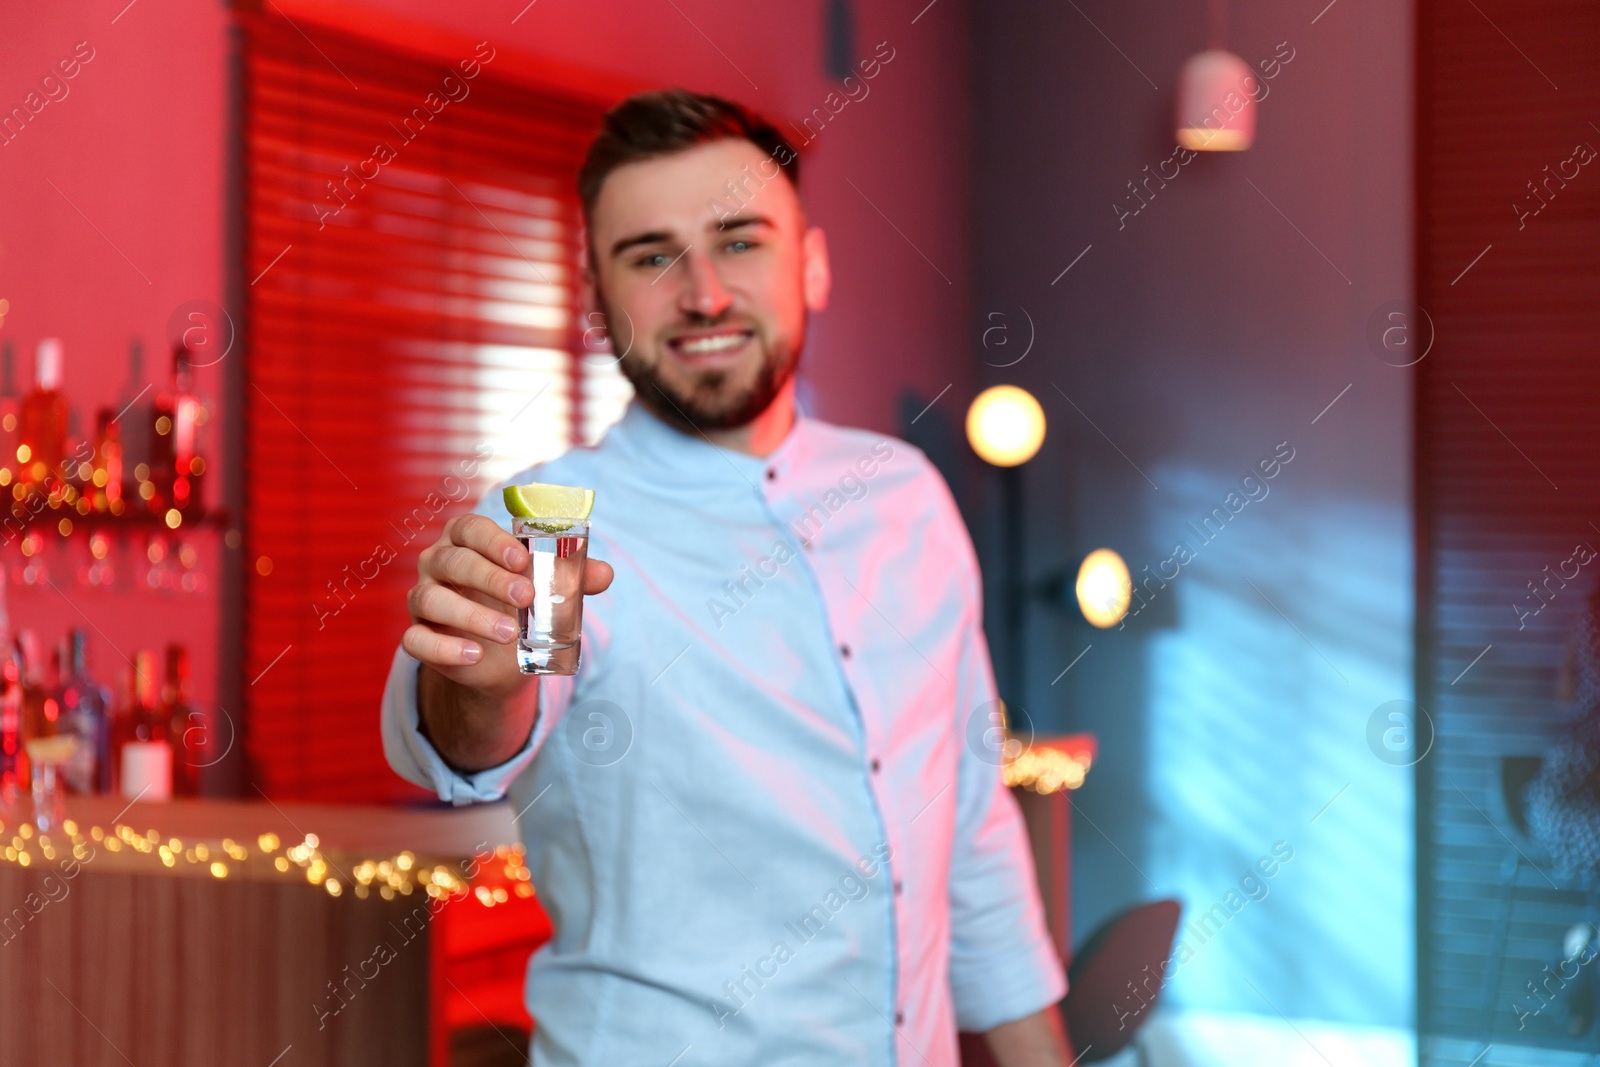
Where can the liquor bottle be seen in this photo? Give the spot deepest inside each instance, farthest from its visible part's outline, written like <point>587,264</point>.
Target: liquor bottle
<point>144,758</point>
<point>134,428</point>
<point>73,469</point>
<point>10,409</point>
<point>10,711</point>
<point>85,713</point>
<point>42,427</point>
<point>40,712</point>
<point>106,492</point>
<point>172,445</point>
<point>186,725</point>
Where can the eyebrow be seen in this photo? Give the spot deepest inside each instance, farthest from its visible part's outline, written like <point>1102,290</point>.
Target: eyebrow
<point>744,220</point>
<point>650,238</point>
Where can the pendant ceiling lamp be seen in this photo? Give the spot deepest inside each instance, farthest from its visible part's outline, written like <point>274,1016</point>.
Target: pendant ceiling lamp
<point>1216,107</point>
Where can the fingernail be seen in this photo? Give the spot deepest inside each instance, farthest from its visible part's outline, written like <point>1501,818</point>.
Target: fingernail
<point>511,557</point>
<point>505,629</point>
<point>471,654</point>
<point>521,591</point>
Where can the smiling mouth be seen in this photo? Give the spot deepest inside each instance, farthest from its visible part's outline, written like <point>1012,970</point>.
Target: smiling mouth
<point>710,345</point>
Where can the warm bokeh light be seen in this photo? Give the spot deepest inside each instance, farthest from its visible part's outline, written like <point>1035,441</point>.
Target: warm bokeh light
<point>1104,588</point>
<point>1200,139</point>
<point>1005,425</point>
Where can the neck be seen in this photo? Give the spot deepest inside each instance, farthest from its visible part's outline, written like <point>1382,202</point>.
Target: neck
<point>762,435</point>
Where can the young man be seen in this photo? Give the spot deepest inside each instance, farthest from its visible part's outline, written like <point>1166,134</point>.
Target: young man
<point>763,816</point>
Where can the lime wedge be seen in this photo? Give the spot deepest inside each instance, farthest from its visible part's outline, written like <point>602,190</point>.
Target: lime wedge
<point>537,500</point>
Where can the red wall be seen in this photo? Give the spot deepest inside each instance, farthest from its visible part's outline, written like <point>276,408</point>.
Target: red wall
<point>139,146</point>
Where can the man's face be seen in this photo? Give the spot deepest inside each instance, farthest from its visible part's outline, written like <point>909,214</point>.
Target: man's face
<point>707,308</point>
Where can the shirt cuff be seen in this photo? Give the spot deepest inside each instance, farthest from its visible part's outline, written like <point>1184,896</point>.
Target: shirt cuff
<point>1008,989</point>
<point>413,756</point>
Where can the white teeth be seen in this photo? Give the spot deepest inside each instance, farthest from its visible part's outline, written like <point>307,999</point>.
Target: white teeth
<point>713,344</point>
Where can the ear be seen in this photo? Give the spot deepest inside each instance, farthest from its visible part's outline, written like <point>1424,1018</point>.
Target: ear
<point>816,275</point>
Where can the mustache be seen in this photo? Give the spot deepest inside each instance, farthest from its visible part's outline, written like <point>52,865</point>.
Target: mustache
<point>693,319</point>
<point>720,323</point>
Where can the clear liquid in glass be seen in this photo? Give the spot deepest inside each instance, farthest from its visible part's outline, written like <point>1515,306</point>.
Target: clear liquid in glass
<point>549,631</point>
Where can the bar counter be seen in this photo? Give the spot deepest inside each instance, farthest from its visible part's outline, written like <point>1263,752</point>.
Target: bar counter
<point>259,933</point>
<point>297,935</point>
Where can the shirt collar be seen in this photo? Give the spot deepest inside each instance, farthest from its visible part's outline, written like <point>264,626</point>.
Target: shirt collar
<point>688,454</point>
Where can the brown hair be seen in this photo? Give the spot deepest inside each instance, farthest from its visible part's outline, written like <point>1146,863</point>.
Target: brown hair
<point>660,123</point>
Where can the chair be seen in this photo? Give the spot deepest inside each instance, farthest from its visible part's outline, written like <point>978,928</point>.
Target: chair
<point>1101,1014</point>
<point>1125,954</point>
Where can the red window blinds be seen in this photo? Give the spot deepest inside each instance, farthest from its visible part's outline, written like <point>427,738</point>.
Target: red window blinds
<point>412,329</point>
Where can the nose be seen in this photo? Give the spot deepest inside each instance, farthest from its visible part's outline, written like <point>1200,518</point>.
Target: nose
<point>704,294</point>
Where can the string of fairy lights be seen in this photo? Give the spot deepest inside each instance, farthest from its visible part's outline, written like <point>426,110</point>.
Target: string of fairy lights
<point>1039,769</point>
<point>1045,770</point>
<point>494,881</point>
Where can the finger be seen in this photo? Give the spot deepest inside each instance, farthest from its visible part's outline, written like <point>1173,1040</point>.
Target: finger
<point>431,602</point>
<point>437,649</point>
<point>597,575</point>
<point>486,537</point>
<point>465,568</point>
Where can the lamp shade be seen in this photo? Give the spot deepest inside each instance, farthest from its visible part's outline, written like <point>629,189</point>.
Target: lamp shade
<point>1217,103</point>
<point>1005,425</point>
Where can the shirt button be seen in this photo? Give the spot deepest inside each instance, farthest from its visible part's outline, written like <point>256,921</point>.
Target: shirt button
<point>898,888</point>
<point>875,766</point>
<point>844,650</point>
<point>899,1018</point>
<point>772,474</point>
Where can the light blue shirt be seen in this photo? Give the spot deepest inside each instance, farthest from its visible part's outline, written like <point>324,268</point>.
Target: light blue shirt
<point>766,817</point>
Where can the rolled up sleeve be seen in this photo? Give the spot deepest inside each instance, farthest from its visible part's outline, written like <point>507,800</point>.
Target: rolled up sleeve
<point>1003,963</point>
<point>414,758</point>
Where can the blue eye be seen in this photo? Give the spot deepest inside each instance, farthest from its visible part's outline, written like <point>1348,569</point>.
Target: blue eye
<point>736,245</point>
<point>655,259</point>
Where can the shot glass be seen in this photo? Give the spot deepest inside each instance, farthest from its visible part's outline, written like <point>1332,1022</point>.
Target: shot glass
<point>550,629</point>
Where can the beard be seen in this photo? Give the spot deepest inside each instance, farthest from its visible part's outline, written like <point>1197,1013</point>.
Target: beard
<point>711,400</point>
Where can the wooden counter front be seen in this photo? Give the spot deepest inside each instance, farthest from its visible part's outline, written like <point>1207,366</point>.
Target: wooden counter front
<point>118,957</point>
